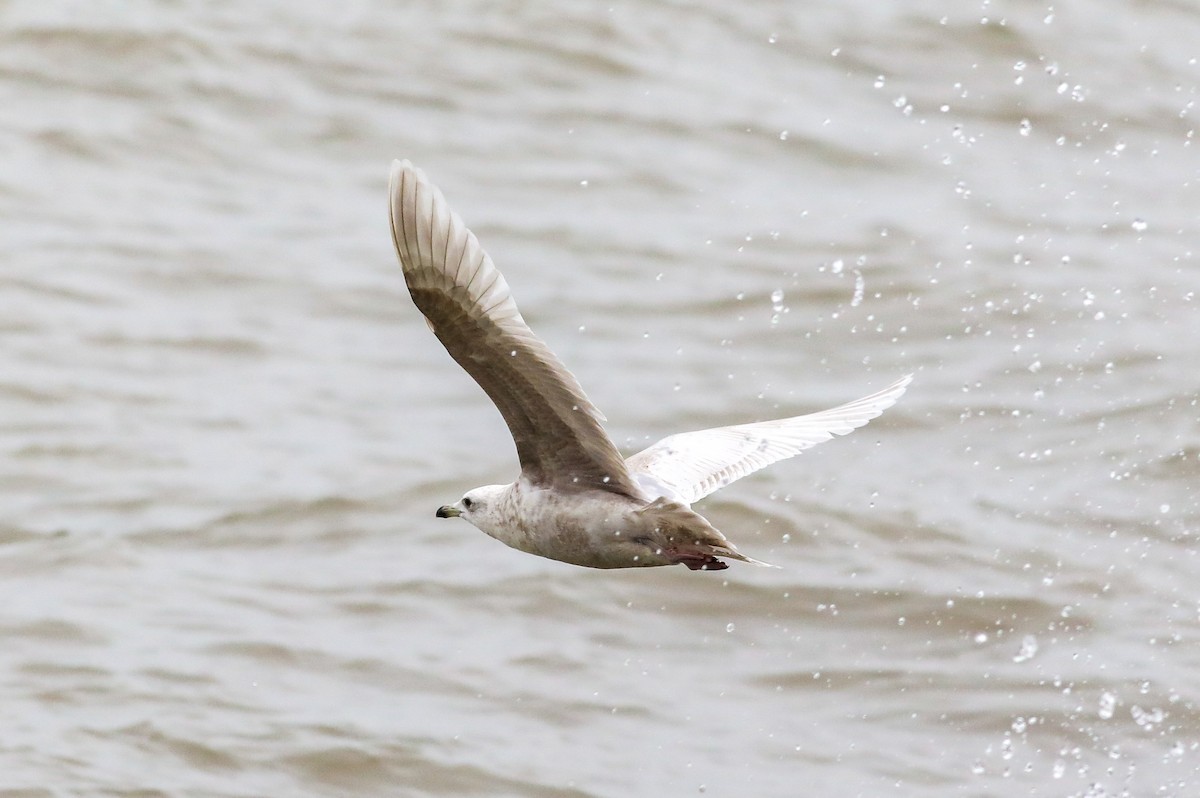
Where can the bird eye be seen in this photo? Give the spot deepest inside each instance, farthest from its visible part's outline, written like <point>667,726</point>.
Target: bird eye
<point>467,502</point>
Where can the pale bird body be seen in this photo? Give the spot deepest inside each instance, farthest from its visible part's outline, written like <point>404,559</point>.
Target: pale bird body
<point>577,500</point>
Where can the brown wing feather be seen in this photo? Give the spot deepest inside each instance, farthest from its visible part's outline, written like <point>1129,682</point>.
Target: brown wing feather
<point>470,309</point>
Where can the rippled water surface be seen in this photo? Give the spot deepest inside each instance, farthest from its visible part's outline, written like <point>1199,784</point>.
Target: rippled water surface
<point>224,428</point>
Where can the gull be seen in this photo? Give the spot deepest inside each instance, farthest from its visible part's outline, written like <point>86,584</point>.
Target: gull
<point>576,499</point>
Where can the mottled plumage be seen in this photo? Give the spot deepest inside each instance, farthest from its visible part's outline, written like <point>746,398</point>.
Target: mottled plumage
<point>576,499</point>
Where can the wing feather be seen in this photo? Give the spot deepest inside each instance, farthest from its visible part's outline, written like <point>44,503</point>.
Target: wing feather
<point>689,466</point>
<point>469,307</point>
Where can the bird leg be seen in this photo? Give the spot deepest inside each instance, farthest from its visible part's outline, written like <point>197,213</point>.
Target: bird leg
<point>696,562</point>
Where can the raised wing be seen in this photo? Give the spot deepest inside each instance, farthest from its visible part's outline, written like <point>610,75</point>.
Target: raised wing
<point>469,307</point>
<point>689,466</point>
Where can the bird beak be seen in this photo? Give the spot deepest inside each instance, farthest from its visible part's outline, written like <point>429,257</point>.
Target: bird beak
<point>449,511</point>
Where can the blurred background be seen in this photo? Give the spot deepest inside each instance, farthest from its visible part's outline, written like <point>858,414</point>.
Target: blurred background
<point>224,428</point>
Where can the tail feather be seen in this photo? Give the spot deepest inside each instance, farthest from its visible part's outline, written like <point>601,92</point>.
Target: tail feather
<point>687,537</point>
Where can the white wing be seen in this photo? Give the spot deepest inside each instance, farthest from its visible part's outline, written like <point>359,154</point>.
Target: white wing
<point>470,309</point>
<point>689,466</point>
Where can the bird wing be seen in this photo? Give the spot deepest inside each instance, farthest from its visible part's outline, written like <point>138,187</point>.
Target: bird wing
<point>469,307</point>
<point>689,466</point>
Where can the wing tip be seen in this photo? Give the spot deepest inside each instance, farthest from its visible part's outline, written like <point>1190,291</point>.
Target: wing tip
<point>396,175</point>
<point>893,392</point>
<point>880,400</point>
<point>427,232</point>
<point>401,165</point>
<point>423,224</point>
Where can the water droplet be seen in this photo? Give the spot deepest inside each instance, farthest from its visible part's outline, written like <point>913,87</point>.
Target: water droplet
<point>777,305</point>
<point>981,638</point>
<point>783,134</point>
<point>1108,705</point>
<point>1029,647</point>
<point>729,627</point>
<point>1025,127</point>
<point>1139,225</point>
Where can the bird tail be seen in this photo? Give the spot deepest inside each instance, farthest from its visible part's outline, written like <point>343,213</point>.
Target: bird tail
<point>687,537</point>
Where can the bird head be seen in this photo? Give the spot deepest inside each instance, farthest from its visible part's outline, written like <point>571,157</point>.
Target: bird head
<point>478,506</point>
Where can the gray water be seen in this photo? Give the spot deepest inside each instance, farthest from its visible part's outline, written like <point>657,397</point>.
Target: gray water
<point>224,428</point>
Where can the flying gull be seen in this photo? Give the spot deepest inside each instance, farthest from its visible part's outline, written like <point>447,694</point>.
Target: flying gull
<point>576,499</point>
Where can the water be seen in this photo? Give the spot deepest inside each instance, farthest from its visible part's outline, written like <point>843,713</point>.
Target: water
<point>224,428</point>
